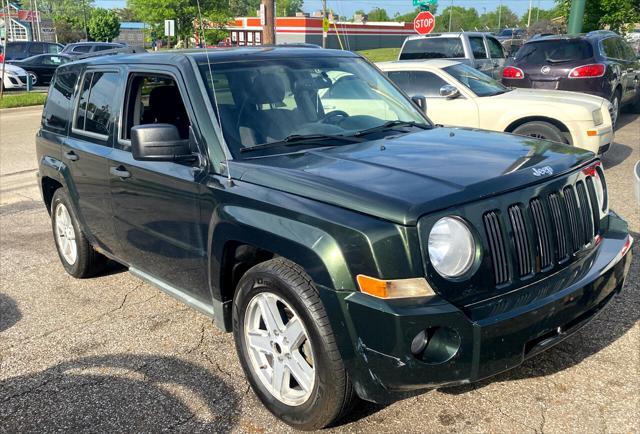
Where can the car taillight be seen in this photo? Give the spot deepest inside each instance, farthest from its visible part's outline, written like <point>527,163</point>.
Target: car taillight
<point>587,71</point>
<point>512,72</point>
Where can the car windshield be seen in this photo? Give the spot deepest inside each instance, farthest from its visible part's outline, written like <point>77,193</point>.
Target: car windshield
<point>554,51</point>
<point>433,48</point>
<point>281,101</point>
<point>479,83</point>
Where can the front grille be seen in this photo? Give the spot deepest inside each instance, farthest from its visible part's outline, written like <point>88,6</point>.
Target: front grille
<point>546,231</point>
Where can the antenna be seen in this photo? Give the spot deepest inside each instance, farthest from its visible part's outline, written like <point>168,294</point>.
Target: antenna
<point>215,99</point>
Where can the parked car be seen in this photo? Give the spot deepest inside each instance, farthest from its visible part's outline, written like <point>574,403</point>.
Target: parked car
<point>459,95</point>
<point>23,49</point>
<point>351,255</point>
<point>90,47</point>
<point>14,77</point>
<point>42,66</point>
<point>513,33</point>
<point>479,50</point>
<point>600,63</point>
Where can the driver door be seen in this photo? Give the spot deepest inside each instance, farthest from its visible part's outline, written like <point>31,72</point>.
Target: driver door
<point>460,111</point>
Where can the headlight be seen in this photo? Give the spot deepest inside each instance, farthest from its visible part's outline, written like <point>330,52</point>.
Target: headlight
<point>452,248</point>
<point>597,117</point>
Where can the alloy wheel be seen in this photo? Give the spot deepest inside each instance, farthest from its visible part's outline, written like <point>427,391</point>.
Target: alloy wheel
<point>279,349</point>
<point>34,78</point>
<point>65,234</point>
<point>614,109</point>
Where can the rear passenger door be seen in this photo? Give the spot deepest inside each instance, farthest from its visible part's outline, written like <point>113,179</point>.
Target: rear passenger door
<point>87,148</point>
<point>156,204</point>
<point>479,51</point>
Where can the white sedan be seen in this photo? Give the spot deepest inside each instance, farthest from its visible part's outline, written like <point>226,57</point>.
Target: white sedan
<point>14,77</point>
<point>458,95</point>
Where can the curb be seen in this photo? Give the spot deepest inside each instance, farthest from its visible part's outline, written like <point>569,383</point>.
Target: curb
<point>21,109</point>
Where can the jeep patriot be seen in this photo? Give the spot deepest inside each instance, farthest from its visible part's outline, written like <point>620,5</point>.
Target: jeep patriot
<point>301,200</point>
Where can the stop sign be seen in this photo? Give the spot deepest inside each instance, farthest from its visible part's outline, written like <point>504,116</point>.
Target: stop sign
<point>424,23</point>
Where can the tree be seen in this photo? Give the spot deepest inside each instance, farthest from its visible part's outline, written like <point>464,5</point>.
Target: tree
<point>461,19</point>
<point>617,15</point>
<point>378,14</point>
<point>288,8</point>
<point>69,16</point>
<point>538,14</point>
<point>504,16</point>
<point>104,25</point>
<point>68,32</point>
<point>126,15</point>
<point>243,8</point>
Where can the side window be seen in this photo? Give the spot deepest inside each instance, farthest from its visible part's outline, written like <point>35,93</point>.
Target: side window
<point>626,52</point>
<point>102,47</point>
<point>81,48</point>
<point>415,83</point>
<point>477,47</point>
<point>610,48</point>
<point>36,48</point>
<point>96,103</point>
<point>57,109</point>
<point>495,49</point>
<point>52,49</point>
<point>15,48</point>
<point>153,98</point>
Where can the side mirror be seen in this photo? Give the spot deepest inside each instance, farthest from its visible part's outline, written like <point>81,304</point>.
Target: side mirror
<point>158,142</point>
<point>420,101</point>
<point>450,92</point>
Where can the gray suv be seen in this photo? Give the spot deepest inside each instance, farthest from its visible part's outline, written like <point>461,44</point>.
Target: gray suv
<point>480,50</point>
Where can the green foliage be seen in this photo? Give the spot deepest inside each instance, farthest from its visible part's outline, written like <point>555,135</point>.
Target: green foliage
<point>69,16</point>
<point>126,15</point>
<point>243,8</point>
<point>461,19</point>
<point>378,14</point>
<point>25,99</point>
<point>617,15</point>
<point>381,54</point>
<point>104,25</point>
<point>288,8</point>
<point>505,16</point>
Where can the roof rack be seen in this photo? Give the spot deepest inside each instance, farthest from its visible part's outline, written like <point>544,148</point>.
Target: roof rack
<point>119,50</point>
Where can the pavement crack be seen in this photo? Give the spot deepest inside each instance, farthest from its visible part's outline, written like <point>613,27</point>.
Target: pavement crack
<point>124,299</point>
<point>199,344</point>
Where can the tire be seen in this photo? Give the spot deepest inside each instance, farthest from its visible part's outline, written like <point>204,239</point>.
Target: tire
<point>86,261</point>
<point>34,77</point>
<point>541,130</point>
<point>615,109</point>
<point>291,294</point>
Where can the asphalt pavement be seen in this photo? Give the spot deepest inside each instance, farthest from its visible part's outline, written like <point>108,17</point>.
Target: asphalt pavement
<point>114,354</point>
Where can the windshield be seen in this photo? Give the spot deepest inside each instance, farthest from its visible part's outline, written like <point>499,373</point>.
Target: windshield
<point>554,51</point>
<point>269,101</point>
<point>479,83</point>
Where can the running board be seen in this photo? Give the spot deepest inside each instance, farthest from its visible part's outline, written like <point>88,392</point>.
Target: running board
<point>174,292</point>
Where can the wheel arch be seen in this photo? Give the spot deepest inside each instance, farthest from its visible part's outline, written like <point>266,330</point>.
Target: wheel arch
<point>49,186</point>
<point>555,122</point>
<point>240,238</point>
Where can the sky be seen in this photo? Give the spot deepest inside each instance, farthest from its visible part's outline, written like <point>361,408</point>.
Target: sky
<point>348,7</point>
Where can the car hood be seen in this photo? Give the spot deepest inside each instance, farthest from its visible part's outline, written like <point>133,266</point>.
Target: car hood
<point>404,177</point>
<point>552,97</point>
<point>14,69</point>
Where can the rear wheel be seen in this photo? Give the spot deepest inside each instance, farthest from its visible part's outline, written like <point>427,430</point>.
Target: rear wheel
<point>76,254</point>
<point>541,130</point>
<point>34,77</point>
<point>614,110</point>
<point>287,348</point>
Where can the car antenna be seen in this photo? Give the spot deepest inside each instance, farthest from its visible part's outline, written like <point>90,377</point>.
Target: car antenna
<point>203,41</point>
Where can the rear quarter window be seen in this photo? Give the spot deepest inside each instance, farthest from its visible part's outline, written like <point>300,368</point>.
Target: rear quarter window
<point>433,48</point>
<point>57,109</point>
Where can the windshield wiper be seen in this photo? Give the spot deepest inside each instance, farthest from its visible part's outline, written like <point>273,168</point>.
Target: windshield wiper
<point>301,139</point>
<point>391,125</point>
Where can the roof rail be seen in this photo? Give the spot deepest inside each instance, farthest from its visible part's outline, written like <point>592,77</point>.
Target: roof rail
<point>119,50</point>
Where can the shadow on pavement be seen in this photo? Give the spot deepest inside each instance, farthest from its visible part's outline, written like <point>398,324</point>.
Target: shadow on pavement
<point>119,393</point>
<point>616,155</point>
<point>625,119</point>
<point>9,312</point>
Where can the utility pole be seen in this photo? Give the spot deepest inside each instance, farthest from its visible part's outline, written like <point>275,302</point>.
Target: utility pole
<point>576,17</point>
<point>450,14</point>
<point>269,29</point>
<point>324,17</point>
<point>499,14</point>
<point>529,19</point>
<point>7,19</point>
<point>84,13</point>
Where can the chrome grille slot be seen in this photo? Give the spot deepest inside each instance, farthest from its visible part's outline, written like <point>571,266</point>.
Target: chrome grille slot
<point>586,212</point>
<point>575,219</point>
<point>521,240</point>
<point>497,247</point>
<point>559,229</point>
<point>543,236</point>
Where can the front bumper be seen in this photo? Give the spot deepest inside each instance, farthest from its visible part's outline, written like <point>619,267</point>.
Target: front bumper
<point>15,81</point>
<point>592,138</point>
<point>480,340</point>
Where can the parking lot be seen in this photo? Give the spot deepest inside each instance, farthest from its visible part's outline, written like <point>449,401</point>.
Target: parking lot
<point>115,354</point>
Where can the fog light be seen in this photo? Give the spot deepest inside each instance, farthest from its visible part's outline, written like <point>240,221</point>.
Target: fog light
<point>436,345</point>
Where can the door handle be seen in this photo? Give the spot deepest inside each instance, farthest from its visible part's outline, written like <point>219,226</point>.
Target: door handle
<point>71,156</point>
<point>120,172</point>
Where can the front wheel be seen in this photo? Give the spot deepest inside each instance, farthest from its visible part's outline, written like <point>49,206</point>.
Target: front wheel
<point>614,110</point>
<point>541,130</point>
<point>287,348</point>
<point>34,77</point>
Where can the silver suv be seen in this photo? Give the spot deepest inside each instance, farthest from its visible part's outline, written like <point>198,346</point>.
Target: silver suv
<point>480,50</point>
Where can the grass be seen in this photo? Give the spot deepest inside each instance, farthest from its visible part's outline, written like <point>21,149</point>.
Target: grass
<point>381,54</point>
<point>22,99</point>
